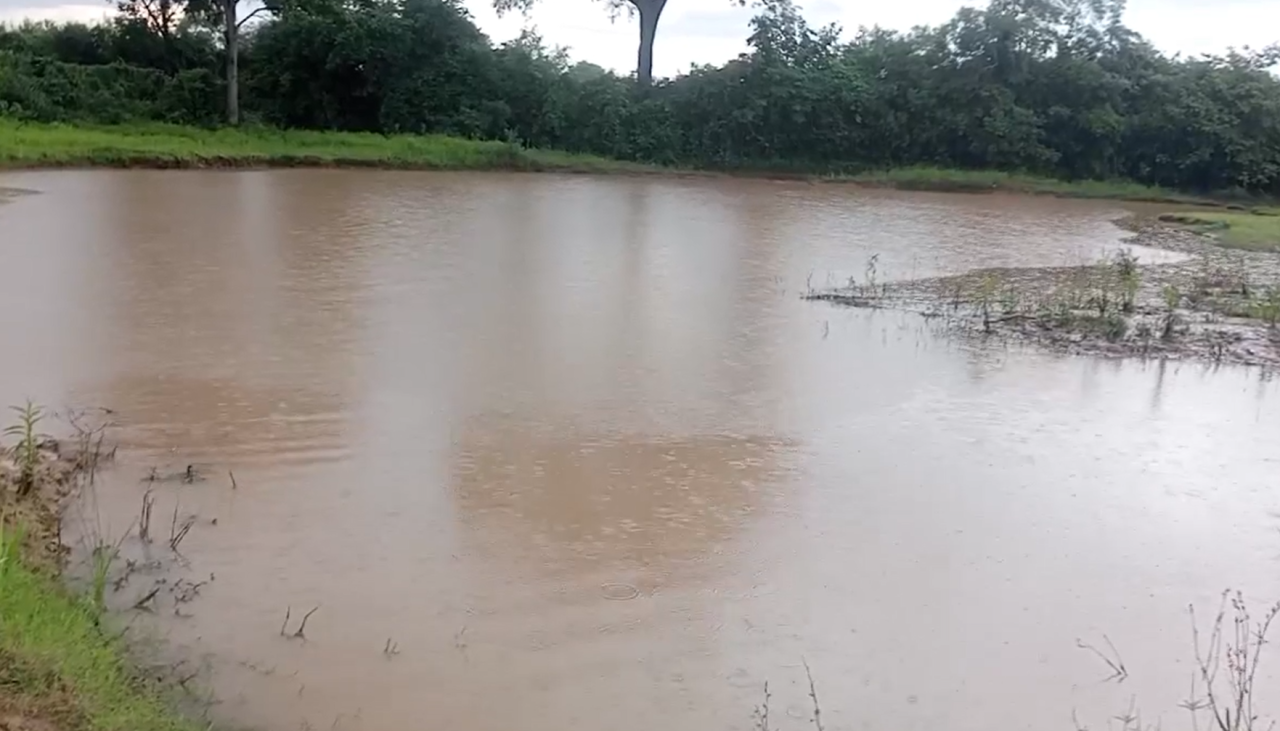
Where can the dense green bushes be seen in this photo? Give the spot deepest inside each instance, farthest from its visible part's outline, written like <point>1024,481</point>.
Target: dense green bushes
<point>40,88</point>
<point>1057,87</point>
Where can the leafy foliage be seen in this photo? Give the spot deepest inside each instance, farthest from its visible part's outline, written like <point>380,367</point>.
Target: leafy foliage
<point>1053,87</point>
<point>26,451</point>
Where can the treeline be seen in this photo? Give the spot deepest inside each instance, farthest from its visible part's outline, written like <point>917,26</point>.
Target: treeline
<point>1059,87</point>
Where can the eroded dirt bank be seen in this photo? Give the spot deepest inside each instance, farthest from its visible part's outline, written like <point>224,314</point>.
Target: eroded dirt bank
<point>1217,304</point>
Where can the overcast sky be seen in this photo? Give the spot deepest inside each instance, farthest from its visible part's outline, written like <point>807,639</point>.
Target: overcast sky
<point>711,31</point>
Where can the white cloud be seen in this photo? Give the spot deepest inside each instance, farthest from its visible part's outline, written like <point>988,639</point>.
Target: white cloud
<point>712,31</point>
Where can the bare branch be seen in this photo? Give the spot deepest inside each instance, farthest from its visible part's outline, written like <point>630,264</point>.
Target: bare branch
<point>813,693</point>
<point>142,603</point>
<point>255,11</point>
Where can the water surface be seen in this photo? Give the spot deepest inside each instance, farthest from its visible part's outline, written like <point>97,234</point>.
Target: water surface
<point>574,447</point>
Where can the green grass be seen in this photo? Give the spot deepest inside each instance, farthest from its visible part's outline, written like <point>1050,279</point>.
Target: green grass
<point>944,179</point>
<point>25,145</point>
<point>58,667</point>
<point>162,145</point>
<point>1257,230</point>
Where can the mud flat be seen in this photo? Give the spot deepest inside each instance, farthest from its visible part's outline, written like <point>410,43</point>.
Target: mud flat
<point>1216,305</point>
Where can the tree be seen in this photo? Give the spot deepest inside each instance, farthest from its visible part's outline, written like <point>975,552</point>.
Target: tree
<point>417,66</point>
<point>648,10</point>
<point>224,15</point>
<point>159,17</point>
<point>164,17</point>
<point>1055,87</point>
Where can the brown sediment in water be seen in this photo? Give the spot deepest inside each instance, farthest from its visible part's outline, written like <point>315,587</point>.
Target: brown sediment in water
<point>1215,305</point>
<point>515,443</point>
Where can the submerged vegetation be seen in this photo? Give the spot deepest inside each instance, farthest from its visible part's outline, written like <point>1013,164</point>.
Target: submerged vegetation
<point>1057,89</point>
<point>1217,305</point>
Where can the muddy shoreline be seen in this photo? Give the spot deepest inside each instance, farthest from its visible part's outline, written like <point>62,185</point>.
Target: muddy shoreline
<point>97,670</point>
<point>1217,305</point>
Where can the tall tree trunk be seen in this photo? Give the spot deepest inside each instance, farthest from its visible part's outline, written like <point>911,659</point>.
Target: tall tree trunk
<point>650,11</point>
<point>233,64</point>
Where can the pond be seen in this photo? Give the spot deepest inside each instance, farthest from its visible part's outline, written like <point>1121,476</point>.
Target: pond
<point>570,453</point>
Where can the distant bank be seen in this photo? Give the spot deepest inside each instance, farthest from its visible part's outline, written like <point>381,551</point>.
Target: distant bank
<point>34,145</point>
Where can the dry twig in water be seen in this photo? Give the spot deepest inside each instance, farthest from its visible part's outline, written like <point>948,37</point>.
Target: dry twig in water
<point>184,591</point>
<point>302,628</point>
<point>1118,671</point>
<point>144,601</point>
<point>179,532</point>
<point>761,713</point>
<point>301,633</point>
<point>144,518</point>
<point>813,693</point>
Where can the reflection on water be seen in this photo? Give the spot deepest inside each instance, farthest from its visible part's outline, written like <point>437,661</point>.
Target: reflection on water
<point>577,450</point>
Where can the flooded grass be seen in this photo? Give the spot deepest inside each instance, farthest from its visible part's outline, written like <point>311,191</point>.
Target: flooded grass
<point>1098,300</point>
<point>172,146</point>
<point>1256,230</point>
<point>59,669</point>
<point>1219,305</point>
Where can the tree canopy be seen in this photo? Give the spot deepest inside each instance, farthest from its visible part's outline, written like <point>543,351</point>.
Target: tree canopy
<point>1059,87</point>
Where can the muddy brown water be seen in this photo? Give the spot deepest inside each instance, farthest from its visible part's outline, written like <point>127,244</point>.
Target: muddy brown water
<point>575,448</point>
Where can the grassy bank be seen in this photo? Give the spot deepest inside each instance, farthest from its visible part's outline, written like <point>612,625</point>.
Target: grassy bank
<point>25,145</point>
<point>977,181</point>
<point>58,670</point>
<point>1256,230</point>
